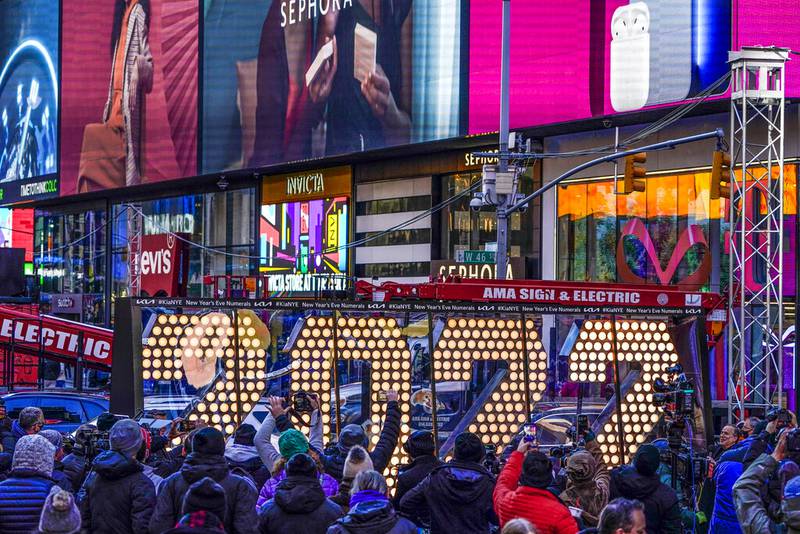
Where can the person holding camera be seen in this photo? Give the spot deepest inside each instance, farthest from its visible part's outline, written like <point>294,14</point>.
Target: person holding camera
<point>750,509</point>
<point>76,463</point>
<point>522,491</point>
<point>242,454</point>
<point>117,496</point>
<point>457,494</point>
<point>587,482</point>
<point>422,451</point>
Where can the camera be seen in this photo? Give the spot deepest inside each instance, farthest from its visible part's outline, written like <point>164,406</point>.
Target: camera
<point>676,397</point>
<point>185,426</point>
<point>301,403</point>
<point>475,204</point>
<point>490,460</point>
<point>781,417</point>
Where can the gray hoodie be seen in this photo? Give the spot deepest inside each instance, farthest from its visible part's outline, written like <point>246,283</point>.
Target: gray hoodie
<point>750,509</point>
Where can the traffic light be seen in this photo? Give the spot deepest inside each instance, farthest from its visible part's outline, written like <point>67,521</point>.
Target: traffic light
<point>721,175</point>
<point>634,172</point>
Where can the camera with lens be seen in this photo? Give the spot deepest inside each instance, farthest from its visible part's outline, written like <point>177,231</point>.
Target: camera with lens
<point>676,397</point>
<point>490,460</point>
<point>300,402</point>
<point>781,417</point>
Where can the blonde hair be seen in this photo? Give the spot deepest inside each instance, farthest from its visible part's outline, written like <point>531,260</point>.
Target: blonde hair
<point>519,526</point>
<point>369,480</point>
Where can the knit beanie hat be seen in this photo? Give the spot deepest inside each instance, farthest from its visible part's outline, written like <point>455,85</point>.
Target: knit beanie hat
<point>468,448</point>
<point>35,453</point>
<point>209,441</point>
<point>420,443</point>
<point>205,495</point>
<point>537,471</point>
<point>352,435</point>
<point>792,488</point>
<point>59,514</point>
<point>301,465</point>
<point>292,442</point>
<point>125,437</point>
<point>357,461</point>
<point>202,521</point>
<point>245,434</point>
<point>647,460</point>
<point>581,467</point>
<point>54,437</point>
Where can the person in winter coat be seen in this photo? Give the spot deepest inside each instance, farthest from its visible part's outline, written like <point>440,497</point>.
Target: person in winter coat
<point>750,510</point>
<point>23,493</point>
<point>7,439</point>
<point>76,463</point>
<point>521,491</point>
<point>55,439</point>
<point>300,504</point>
<point>207,460</point>
<point>60,515</point>
<point>622,516</point>
<point>358,460</point>
<point>457,495</point>
<point>371,511</point>
<point>30,421</point>
<point>202,507</point>
<point>422,450</point>
<point>243,454</point>
<point>278,421</point>
<point>290,443</point>
<point>117,497</point>
<point>198,523</point>
<point>143,455</point>
<point>587,483</point>
<point>641,482</point>
<point>352,435</point>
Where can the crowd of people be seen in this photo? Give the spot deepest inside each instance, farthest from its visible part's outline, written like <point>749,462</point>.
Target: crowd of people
<point>121,477</point>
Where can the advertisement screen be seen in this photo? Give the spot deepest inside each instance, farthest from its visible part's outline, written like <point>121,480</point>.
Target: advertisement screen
<point>287,80</point>
<point>303,245</point>
<point>130,93</point>
<point>16,230</point>
<point>28,99</point>
<point>617,56</point>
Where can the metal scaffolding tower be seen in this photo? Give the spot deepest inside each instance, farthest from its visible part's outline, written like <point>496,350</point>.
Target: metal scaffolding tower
<point>134,227</point>
<point>755,353</point>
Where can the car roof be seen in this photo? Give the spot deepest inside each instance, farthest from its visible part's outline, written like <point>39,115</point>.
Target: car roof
<point>73,394</point>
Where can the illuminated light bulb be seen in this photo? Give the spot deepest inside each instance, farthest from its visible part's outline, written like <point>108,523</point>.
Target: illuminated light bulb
<point>146,375</point>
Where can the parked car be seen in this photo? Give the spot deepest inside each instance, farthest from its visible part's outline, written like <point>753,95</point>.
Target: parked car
<point>64,411</point>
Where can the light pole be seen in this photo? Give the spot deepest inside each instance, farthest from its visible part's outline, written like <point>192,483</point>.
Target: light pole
<point>501,255</point>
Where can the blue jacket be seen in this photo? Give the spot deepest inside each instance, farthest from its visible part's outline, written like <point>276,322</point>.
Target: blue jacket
<point>727,471</point>
<point>22,497</point>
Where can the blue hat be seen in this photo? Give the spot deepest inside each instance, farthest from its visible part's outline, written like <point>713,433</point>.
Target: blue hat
<point>792,488</point>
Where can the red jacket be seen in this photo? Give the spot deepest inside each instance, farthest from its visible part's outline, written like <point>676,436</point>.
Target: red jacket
<point>538,506</point>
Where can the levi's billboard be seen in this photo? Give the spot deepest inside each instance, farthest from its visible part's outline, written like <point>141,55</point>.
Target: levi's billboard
<point>163,263</point>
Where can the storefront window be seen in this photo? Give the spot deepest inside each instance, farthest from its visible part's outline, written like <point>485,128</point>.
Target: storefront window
<point>69,258</point>
<point>465,229</point>
<point>658,236</point>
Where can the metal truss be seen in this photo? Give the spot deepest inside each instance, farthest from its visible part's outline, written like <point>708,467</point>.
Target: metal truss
<point>755,353</point>
<point>134,223</point>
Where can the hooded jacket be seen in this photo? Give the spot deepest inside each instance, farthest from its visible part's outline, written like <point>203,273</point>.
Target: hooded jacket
<point>22,497</point>
<point>587,483</point>
<point>412,473</point>
<point>374,517</point>
<point>246,458</point>
<point>240,514</point>
<point>538,505</point>
<point>458,496</point>
<point>661,509</point>
<point>299,505</point>
<point>750,510</point>
<point>75,468</point>
<point>727,471</point>
<point>118,497</point>
<point>268,491</point>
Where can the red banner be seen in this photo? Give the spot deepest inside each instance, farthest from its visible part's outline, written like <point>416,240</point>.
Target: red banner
<point>163,263</point>
<point>58,337</point>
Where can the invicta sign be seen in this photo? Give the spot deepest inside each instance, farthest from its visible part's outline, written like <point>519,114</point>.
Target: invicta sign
<point>305,184</point>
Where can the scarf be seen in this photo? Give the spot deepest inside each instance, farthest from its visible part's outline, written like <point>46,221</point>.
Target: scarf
<point>366,496</point>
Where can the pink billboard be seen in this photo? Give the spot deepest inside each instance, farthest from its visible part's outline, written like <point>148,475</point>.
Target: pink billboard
<point>590,58</point>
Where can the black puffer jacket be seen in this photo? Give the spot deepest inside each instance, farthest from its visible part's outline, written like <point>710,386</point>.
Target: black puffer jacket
<point>75,467</point>
<point>7,439</point>
<point>240,515</point>
<point>299,506</point>
<point>380,455</point>
<point>661,509</point>
<point>118,497</point>
<point>373,517</point>
<point>246,458</point>
<point>458,496</point>
<point>412,473</point>
<point>22,497</point>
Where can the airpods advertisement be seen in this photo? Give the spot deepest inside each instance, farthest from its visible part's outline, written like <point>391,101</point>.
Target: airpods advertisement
<point>591,58</point>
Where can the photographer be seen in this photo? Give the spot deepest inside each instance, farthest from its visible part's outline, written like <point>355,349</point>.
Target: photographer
<point>76,464</point>
<point>750,509</point>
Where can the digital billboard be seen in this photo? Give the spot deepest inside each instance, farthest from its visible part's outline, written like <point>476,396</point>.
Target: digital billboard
<point>129,90</point>
<point>16,230</point>
<point>291,80</point>
<point>28,99</point>
<point>303,245</point>
<point>591,58</point>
